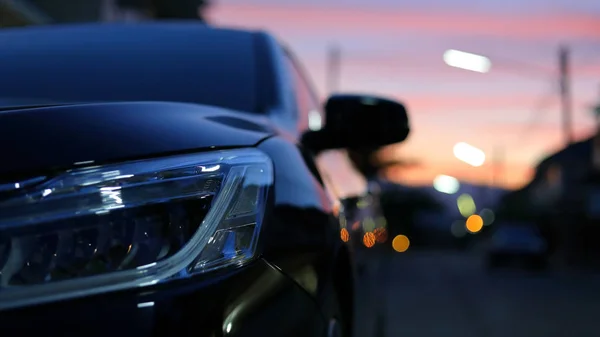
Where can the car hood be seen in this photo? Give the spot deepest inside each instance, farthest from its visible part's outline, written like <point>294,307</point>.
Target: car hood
<point>39,139</point>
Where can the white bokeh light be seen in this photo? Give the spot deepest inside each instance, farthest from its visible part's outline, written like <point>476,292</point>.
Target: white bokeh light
<point>467,61</point>
<point>315,122</point>
<point>469,154</point>
<point>446,184</point>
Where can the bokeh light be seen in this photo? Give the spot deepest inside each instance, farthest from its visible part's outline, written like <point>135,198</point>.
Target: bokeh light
<point>369,239</point>
<point>401,243</point>
<point>474,223</point>
<point>345,235</point>
<point>368,224</point>
<point>381,222</point>
<point>466,205</point>
<point>363,203</point>
<point>336,209</point>
<point>488,216</point>
<point>468,61</point>
<point>446,184</point>
<point>380,235</point>
<point>469,154</point>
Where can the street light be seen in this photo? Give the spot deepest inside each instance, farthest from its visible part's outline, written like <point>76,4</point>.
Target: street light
<point>473,62</point>
<point>467,61</point>
<point>446,184</point>
<point>469,154</point>
<point>472,156</point>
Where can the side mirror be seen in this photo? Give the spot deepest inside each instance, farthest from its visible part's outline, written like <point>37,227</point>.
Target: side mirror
<point>359,121</point>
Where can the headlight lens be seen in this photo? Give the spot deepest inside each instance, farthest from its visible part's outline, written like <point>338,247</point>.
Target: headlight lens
<point>112,227</point>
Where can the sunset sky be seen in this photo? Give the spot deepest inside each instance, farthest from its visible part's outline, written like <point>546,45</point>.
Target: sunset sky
<point>395,47</point>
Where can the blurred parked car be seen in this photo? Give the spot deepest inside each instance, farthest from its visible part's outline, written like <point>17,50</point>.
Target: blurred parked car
<point>517,244</point>
<point>168,186</point>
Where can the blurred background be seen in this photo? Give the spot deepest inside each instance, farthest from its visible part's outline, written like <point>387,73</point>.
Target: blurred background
<point>502,160</point>
<point>513,110</point>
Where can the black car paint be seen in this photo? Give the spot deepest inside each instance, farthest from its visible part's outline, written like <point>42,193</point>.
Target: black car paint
<point>201,306</point>
<point>300,235</point>
<point>112,132</point>
<point>289,291</point>
<point>169,61</point>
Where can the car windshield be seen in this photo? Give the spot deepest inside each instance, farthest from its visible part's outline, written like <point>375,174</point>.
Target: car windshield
<point>108,65</point>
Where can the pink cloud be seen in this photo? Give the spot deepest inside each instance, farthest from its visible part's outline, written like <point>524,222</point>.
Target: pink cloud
<point>322,20</point>
<point>441,103</point>
<point>587,70</point>
<point>440,117</point>
<point>429,61</point>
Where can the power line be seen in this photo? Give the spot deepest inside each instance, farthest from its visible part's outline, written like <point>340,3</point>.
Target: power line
<point>538,111</point>
<point>526,70</point>
<point>521,67</point>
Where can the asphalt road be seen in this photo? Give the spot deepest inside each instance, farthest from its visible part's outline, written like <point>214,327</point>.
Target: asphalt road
<point>446,294</point>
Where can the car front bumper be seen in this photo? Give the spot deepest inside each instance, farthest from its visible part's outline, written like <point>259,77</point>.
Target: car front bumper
<point>255,300</point>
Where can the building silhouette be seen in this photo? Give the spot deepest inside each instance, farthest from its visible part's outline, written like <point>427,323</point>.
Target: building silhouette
<point>36,12</point>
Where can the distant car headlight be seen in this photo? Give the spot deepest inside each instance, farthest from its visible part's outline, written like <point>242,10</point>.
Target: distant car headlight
<point>134,224</point>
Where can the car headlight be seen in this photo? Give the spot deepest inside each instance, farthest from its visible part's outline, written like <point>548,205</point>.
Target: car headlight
<point>133,224</point>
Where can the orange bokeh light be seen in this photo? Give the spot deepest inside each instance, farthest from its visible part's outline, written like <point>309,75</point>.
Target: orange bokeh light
<point>345,235</point>
<point>336,209</point>
<point>369,239</point>
<point>380,235</point>
<point>474,223</point>
<point>401,243</point>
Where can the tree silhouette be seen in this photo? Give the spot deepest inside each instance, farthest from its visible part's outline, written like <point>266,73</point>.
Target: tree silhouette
<point>366,162</point>
<point>169,9</point>
<point>400,205</point>
<point>179,9</point>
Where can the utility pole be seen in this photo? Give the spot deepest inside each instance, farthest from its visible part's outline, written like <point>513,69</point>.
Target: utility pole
<point>333,68</point>
<point>596,142</point>
<point>499,158</point>
<point>566,99</point>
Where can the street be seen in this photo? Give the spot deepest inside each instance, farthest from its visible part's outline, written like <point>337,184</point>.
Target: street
<point>431,294</point>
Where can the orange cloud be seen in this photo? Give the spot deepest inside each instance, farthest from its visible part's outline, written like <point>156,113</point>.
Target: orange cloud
<point>306,19</point>
<point>519,153</point>
<point>508,175</point>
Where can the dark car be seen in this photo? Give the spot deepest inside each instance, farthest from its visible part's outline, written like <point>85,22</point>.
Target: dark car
<point>515,243</point>
<point>159,179</point>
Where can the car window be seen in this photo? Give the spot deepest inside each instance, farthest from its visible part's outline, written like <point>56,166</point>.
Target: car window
<point>309,109</point>
<point>343,176</point>
<point>338,173</point>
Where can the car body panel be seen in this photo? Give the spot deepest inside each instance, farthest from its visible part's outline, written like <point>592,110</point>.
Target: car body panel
<point>299,239</point>
<point>107,132</point>
<point>242,302</point>
<point>307,266</point>
<point>302,237</point>
<point>158,61</point>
